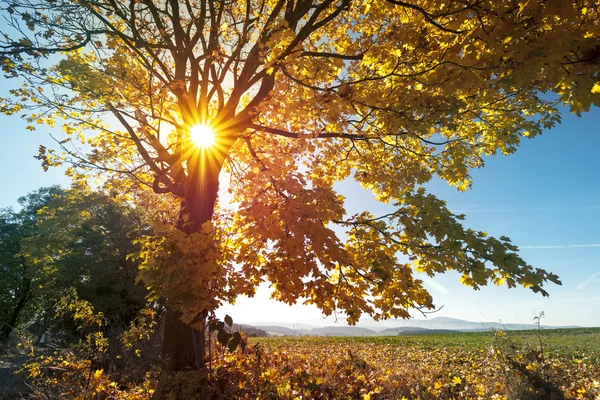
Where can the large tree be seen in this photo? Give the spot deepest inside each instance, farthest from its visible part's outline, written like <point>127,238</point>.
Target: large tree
<point>302,94</point>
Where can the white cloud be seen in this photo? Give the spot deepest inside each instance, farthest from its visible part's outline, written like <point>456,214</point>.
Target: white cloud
<point>477,209</point>
<point>591,284</point>
<point>571,262</point>
<point>562,246</point>
<point>434,285</point>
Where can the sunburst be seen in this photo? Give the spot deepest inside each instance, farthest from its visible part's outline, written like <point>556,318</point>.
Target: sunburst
<point>202,135</point>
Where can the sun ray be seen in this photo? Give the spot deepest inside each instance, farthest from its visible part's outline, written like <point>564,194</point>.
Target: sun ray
<point>202,135</point>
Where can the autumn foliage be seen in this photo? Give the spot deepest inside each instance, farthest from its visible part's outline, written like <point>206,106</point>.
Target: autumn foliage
<point>467,366</point>
<point>301,95</point>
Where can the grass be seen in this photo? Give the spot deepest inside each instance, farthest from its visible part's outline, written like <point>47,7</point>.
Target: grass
<point>565,342</point>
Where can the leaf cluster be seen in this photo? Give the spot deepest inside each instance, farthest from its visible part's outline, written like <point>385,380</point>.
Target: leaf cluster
<point>388,93</point>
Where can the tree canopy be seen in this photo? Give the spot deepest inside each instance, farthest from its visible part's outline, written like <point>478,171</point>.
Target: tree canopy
<point>19,278</point>
<point>302,94</point>
<point>68,239</point>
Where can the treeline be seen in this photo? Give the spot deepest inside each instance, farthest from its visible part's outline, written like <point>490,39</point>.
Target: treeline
<point>63,242</point>
<point>251,331</point>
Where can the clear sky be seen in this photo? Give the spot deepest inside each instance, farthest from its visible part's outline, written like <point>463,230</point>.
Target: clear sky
<point>546,198</point>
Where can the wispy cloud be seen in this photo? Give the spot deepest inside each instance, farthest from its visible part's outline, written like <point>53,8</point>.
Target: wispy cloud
<point>591,284</point>
<point>438,287</point>
<point>477,209</point>
<point>571,262</point>
<point>562,246</point>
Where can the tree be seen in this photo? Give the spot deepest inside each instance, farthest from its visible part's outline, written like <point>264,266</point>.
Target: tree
<point>17,277</point>
<point>74,239</point>
<point>301,94</point>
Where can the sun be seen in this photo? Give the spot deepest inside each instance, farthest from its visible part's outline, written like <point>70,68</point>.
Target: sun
<point>202,135</point>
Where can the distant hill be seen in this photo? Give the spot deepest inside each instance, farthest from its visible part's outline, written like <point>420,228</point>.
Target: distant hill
<point>318,331</point>
<point>452,324</point>
<point>469,326</point>
<point>413,331</point>
<point>250,330</point>
<point>276,330</point>
<point>342,331</point>
<point>399,327</point>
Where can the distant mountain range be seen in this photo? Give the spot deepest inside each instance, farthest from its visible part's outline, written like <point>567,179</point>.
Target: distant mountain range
<point>402,327</point>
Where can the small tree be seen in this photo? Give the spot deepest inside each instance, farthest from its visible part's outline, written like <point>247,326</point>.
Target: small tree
<point>301,94</point>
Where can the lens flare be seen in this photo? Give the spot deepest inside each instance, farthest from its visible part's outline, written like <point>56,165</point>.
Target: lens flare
<point>202,135</point>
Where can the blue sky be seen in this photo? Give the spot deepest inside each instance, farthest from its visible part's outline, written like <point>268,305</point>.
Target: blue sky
<point>546,198</point>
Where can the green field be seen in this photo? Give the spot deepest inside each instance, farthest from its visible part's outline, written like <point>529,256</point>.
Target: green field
<point>566,342</point>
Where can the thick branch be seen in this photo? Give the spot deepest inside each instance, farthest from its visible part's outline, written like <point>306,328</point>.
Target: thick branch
<point>428,17</point>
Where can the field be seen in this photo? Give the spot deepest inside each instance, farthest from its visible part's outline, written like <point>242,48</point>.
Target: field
<point>504,365</point>
<point>519,365</point>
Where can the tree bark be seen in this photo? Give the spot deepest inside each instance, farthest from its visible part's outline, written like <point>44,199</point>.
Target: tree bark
<point>184,347</point>
<point>9,325</point>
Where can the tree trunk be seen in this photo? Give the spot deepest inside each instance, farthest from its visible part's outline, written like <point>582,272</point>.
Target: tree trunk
<point>9,325</point>
<point>45,324</point>
<point>184,346</point>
